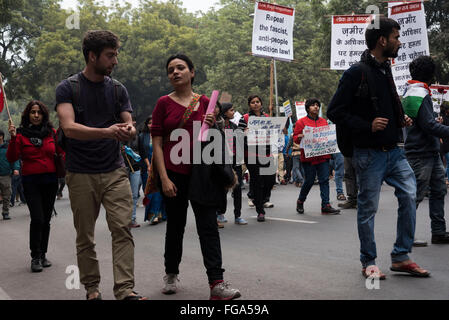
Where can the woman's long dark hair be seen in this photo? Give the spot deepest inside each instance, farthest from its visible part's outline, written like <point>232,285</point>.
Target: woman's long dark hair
<point>25,122</point>
<point>145,125</point>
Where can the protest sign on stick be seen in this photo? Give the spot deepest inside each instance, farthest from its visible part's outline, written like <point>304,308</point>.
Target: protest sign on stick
<point>319,141</point>
<point>413,34</point>
<point>265,130</point>
<point>273,31</point>
<point>414,40</point>
<point>348,40</point>
<point>300,109</point>
<point>287,109</point>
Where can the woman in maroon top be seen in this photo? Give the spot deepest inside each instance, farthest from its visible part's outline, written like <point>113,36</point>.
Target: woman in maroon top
<point>171,112</point>
<point>34,143</point>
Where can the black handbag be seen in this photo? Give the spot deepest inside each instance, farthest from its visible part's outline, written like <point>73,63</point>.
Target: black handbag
<point>225,175</point>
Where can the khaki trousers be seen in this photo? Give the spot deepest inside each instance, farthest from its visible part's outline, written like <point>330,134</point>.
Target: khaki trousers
<point>281,171</point>
<point>5,190</point>
<point>87,193</point>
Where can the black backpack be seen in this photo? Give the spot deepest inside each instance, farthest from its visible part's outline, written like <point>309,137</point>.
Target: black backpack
<point>75,85</point>
<point>366,92</point>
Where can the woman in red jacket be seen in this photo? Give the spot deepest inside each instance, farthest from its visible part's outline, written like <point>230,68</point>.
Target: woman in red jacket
<point>315,165</point>
<point>34,143</point>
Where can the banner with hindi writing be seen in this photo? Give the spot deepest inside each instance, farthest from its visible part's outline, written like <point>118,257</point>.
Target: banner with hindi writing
<point>348,40</point>
<point>413,33</point>
<point>393,3</point>
<point>273,31</point>
<point>319,141</point>
<point>401,74</point>
<point>440,95</point>
<point>265,130</point>
<point>300,109</point>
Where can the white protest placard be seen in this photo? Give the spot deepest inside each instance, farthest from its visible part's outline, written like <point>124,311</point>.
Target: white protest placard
<point>300,109</point>
<point>440,94</point>
<point>237,117</point>
<point>401,74</point>
<point>348,40</point>
<point>273,31</point>
<point>319,141</point>
<point>413,33</point>
<point>265,130</point>
<point>391,4</point>
<point>287,108</point>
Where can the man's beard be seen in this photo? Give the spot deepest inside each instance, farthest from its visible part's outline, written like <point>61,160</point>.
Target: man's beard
<point>390,53</point>
<point>102,71</point>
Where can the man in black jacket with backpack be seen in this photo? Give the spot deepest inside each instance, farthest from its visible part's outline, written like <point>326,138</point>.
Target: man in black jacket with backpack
<point>367,108</point>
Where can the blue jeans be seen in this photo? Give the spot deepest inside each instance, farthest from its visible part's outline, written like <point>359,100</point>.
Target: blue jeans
<point>296,171</point>
<point>372,168</point>
<point>143,178</point>
<point>339,168</point>
<point>135,181</point>
<point>429,173</point>
<point>310,171</point>
<point>446,155</point>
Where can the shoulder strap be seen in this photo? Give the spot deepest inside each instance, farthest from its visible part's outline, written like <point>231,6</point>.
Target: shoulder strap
<point>189,110</point>
<point>118,95</point>
<point>75,84</point>
<point>187,114</point>
<point>367,76</point>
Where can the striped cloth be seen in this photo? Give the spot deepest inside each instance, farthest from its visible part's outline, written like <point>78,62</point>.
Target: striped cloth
<point>413,97</point>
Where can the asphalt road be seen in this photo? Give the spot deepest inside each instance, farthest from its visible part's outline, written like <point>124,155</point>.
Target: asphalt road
<point>288,257</point>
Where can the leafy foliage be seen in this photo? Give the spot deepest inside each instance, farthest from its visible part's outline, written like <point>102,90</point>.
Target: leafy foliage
<point>37,50</point>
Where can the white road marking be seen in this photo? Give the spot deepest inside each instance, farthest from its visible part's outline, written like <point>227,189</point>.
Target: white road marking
<point>288,220</point>
<point>4,295</point>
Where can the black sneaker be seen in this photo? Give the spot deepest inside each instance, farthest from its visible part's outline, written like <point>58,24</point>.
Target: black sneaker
<point>300,207</point>
<point>36,265</point>
<point>348,204</point>
<point>440,239</point>
<point>45,262</point>
<point>261,217</point>
<point>420,243</point>
<point>328,210</point>
<point>6,216</point>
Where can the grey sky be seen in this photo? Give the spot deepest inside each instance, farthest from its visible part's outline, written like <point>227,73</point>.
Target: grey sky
<point>190,5</point>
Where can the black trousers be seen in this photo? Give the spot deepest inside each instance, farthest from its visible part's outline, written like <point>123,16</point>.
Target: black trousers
<point>206,226</point>
<point>260,186</point>
<point>40,201</point>
<point>236,194</point>
<point>61,185</point>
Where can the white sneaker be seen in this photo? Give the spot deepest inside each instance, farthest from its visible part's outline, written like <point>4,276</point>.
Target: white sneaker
<point>170,283</point>
<point>268,205</point>
<point>250,203</point>
<point>222,291</point>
